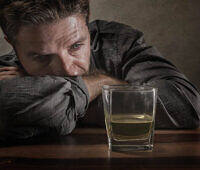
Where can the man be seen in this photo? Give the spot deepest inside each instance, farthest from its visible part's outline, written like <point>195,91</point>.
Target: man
<point>62,62</point>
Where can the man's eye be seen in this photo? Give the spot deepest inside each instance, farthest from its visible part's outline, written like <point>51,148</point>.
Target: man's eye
<point>75,46</point>
<point>41,58</point>
<point>38,57</point>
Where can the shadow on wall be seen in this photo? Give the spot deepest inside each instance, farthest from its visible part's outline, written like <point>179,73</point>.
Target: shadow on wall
<point>170,25</point>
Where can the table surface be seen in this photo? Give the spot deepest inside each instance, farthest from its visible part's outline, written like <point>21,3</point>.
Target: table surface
<point>86,148</point>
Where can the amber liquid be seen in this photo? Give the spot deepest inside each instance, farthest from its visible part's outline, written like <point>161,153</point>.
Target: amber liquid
<point>125,127</point>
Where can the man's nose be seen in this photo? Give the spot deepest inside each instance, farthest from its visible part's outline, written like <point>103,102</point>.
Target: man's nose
<point>66,60</point>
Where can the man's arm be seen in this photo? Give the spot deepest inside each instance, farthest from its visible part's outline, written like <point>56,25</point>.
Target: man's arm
<point>178,99</point>
<point>34,105</point>
<point>30,106</point>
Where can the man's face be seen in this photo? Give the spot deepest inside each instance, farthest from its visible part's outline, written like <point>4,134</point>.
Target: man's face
<point>61,48</point>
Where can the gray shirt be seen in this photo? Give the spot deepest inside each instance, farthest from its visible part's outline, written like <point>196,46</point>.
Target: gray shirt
<point>30,106</point>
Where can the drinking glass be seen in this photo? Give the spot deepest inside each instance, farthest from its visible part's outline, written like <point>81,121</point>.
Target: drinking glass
<point>129,116</point>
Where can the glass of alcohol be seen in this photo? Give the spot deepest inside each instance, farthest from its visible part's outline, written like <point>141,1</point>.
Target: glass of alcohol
<point>129,116</point>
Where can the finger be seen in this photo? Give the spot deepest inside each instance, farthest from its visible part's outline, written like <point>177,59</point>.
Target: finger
<point>9,73</point>
<point>8,68</point>
<point>7,77</point>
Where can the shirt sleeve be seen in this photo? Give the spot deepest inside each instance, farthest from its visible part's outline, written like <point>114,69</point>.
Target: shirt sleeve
<point>9,59</point>
<point>178,99</point>
<point>31,106</point>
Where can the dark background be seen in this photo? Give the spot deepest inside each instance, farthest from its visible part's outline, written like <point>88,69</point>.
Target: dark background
<point>170,25</point>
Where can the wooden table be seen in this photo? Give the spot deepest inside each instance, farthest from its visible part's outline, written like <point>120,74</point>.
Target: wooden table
<point>88,149</point>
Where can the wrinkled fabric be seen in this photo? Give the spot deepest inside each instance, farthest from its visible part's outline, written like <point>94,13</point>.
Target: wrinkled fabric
<point>122,52</point>
<point>31,106</point>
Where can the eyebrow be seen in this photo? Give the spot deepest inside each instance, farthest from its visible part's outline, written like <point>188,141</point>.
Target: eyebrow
<point>81,39</point>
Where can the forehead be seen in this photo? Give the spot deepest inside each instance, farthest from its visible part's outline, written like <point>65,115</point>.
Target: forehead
<point>67,30</point>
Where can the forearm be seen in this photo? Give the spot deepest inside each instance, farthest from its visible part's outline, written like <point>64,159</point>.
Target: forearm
<point>94,83</point>
<point>50,104</point>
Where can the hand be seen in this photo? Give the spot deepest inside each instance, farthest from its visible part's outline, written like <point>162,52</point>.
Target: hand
<point>95,81</point>
<point>10,72</point>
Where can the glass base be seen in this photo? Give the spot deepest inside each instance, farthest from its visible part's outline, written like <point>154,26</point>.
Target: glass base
<point>125,148</point>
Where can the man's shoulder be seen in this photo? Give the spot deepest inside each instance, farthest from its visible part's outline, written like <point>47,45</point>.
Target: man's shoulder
<point>112,27</point>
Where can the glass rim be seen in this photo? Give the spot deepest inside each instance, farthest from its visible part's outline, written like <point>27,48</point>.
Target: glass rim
<point>129,87</point>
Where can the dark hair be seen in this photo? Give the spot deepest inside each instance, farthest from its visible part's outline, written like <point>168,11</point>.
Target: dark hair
<point>17,13</point>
